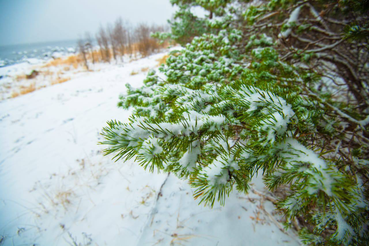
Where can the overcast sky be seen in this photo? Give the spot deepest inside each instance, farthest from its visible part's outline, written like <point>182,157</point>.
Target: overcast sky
<point>32,21</point>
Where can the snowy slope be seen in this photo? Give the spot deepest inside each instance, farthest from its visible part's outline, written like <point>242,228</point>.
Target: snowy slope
<point>56,187</point>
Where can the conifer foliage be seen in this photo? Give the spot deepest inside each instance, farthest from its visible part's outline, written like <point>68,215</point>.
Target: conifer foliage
<point>279,86</point>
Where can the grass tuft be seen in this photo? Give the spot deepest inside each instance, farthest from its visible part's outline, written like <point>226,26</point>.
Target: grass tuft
<point>28,89</point>
<point>162,60</point>
<point>144,69</point>
<point>133,73</point>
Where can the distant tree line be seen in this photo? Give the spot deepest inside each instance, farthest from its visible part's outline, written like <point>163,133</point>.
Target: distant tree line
<point>120,39</point>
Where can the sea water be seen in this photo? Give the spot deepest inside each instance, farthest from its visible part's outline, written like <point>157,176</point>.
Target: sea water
<point>13,54</point>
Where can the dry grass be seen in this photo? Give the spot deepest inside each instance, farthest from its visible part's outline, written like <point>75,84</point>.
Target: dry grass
<point>162,60</point>
<point>27,89</point>
<point>59,80</point>
<point>72,60</point>
<point>15,94</point>
<point>63,198</point>
<point>134,49</point>
<point>47,73</point>
<point>96,54</point>
<point>24,89</point>
<point>144,47</point>
<point>20,77</point>
<point>144,69</point>
<point>54,63</point>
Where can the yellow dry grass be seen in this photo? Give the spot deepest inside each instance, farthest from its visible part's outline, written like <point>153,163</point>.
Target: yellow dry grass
<point>59,80</point>
<point>134,48</point>
<point>24,89</point>
<point>144,69</point>
<point>20,77</point>
<point>162,60</point>
<point>53,63</point>
<point>63,198</point>
<point>27,89</point>
<point>47,73</point>
<point>96,54</point>
<point>15,94</point>
<point>72,60</point>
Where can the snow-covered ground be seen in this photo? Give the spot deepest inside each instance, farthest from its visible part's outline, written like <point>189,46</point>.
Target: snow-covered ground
<point>56,187</point>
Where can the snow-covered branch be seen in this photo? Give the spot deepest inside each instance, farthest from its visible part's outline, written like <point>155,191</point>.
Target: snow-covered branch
<point>327,47</point>
<point>317,16</point>
<point>293,18</point>
<point>343,63</point>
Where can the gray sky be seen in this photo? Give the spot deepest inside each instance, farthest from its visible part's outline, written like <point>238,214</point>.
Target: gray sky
<point>32,21</point>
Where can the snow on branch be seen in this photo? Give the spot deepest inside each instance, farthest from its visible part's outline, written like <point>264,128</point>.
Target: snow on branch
<point>317,16</point>
<point>293,18</point>
<point>327,47</point>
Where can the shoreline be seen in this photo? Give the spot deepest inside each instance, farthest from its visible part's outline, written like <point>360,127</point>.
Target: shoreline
<point>23,78</point>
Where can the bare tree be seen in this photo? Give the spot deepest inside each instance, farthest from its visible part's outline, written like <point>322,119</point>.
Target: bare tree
<point>82,50</point>
<point>104,39</point>
<point>112,40</point>
<point>120,35</point>
<point>89,46</point>
<point>129,33</point>
<point>121,38</point>
<point>142,33</point>
<point>101,47</point>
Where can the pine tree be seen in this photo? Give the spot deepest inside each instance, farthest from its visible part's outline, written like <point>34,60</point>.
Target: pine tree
<point>279,87</point>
